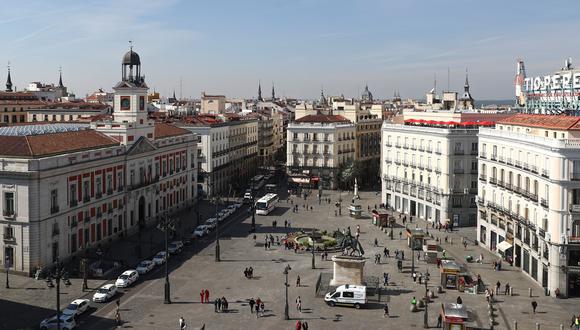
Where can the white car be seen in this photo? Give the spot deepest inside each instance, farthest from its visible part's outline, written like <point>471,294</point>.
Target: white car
<point>127,278</point>
<point>105,293</point>
<point>77,307</point>
<point>200,231</point>
<point>67,322</point>
<point>211,223</point>
<point>160,258</point>
<point>145,267</point>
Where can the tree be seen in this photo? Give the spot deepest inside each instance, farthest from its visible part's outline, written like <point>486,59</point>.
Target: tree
<point>348,172</point>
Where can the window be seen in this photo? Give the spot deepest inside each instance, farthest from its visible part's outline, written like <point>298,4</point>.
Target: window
<point>8,233</point>
<point>347,294</point>
<point>458,146</point>
<point>53,201</point>
<point>73,194</point>
<point>99,185</point>
<point>86,191</point>
<point>109,184</point>
<point>576,170</point>
<point>8,204</point>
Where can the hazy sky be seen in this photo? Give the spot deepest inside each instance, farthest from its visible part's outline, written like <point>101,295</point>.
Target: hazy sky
<point>300,45</point>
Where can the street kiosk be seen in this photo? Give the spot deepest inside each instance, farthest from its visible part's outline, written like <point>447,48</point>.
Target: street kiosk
<point>355,211</point>
<point>380,218</point>
<point>450,273</point>
<point>454,316</point>
<point>415,238</point>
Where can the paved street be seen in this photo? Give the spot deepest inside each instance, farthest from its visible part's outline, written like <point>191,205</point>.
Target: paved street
<point>142,305</point>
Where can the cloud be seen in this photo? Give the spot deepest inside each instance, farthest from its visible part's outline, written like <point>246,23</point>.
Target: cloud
<point>29,35</point>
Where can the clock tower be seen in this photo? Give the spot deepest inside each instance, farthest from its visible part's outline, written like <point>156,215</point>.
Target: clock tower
<point>131,92</point>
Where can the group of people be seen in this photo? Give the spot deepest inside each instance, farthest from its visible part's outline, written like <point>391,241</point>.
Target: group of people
<point>204,295</point>
<point>377,258</point>
<point>249,272</point>
<point>497,265</point>
<point>220,305</point>
<point>301,325</point>
<point>258,304</point>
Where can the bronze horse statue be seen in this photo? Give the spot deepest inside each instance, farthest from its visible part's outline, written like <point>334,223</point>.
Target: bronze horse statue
<point>349,245</point>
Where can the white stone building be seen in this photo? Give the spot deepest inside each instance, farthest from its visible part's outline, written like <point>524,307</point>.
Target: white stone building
<point>66,188</point>
<point>529,197</point>
<point>318,145</point>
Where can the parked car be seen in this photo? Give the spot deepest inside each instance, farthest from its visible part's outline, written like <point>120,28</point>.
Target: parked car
<point>211,223</point>
<point>105,293</point>
<point>347,295</point>
<point>175,247</point>
<point>145,267</point>
<point>77,307</point>
<point>200,231</point>
<point>222,215</point>
<point>127,278</point>
<point>160,258</point>
<point>67,322</point>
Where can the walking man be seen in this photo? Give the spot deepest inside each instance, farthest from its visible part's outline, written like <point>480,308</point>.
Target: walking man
<point>202,296</point>
<point>414,277</point>
<point>386,310</point>
<point>216,305</point>
<point>386,279</point>
<point>497,287</point>
<point>534,306</point>
<point>182,324</point>
<point>299,304</point>
<point>206,295</point>
<point>252,303</point>
<point>298,281</point>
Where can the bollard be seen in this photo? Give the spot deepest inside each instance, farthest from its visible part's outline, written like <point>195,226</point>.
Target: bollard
<point>511,291</point>
<point>515,325</point>
<point>530,292</point>
<point>561,327</point>
<point>537,326</point>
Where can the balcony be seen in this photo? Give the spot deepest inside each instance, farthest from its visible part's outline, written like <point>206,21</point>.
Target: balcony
<point>110,191</point>
<point>389,144</point>
<point>405,146</point>
<point>459,152</point>
<point>438,151</point>
<point>473,171</point>
<point>99,214</point>
<point>483,178</point>
<point>73,224</point>
<point>493,157</point>
<point>483,155</point>
<point>9,238</point>
<point>575,208</point>
<point>493,181</point>
<point>544,202</point>
<point>74,203</point>
<point>473,152</point>
<point>429,149</point>
<point>501,159</point>
<point>110,210</point>
<point>9,213</point>
<point>99,194</point>
<point>120,189</point>
<point>545,173</point>
<point>54,209</point>
<point>509,161</point>
<point>518,163</point>
<point>55,232</point>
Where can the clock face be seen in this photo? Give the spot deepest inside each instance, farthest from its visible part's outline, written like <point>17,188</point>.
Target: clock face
<point>125,103</point>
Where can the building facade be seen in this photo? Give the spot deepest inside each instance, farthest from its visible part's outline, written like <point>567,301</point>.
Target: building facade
<point>69,111</point>
<point>15,105</point>
<point>430,172</point>
<point>318,145</point>
<point>529,197</point>
<point>68,188</point>
<point>227,153</point>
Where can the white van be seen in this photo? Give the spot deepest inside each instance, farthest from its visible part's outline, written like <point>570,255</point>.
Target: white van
<point>347,295</point>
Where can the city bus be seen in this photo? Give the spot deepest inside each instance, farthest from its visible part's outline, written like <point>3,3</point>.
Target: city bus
<point>266,204</point>
<point>271,188</point>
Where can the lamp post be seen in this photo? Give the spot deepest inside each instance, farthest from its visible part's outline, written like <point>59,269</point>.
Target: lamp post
<point>286,309</point>
<point>166,224</point>
<point>253,208</point>
<point>217,231</point>
<point>339,202</point>
<point>426,313</point>
<point>59,274</point>
<point>85,269</point>
<point>313,257</point>
<point>7,267</point>
<point>412,257</point>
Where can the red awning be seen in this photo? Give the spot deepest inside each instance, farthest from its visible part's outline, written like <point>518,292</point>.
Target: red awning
<point>487,123</point>
<point>468,123</point>
<point>411,121</point>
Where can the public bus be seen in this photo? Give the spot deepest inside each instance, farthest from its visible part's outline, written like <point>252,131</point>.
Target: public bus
<point>266,204</point>
<point>271,188</point>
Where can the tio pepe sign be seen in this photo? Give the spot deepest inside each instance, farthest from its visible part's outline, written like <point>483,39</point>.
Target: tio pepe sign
<point>554,82</point>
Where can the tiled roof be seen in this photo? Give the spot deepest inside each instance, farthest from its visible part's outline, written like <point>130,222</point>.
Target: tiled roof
<point>163,130</point>
<point>558,122</point>
<point>322,119</point>
<point>75,106</point>
<point>35,146</point>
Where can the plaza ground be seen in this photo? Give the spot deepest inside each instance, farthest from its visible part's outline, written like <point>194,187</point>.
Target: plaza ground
<point>142,306</point>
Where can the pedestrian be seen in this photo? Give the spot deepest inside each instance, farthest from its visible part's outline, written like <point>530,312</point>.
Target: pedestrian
<point>376,242</point>
<point>206,295</point>
<point>118,318</point>
<point>299,304</point>
<point>507,289</point>
<point>224,304</point>
<point>252,302</point>
<point>298,281</point>
<point>420,278</point>
<point>298,325</point>
<point>118,302</point>
<point>262,308</point>
<point>439,321</point>
<point>414,277</point>
<point>202,296</point>
<point>285,224</point>
<point>386,279</point>
<point>497,286</point>
<point>386,310</point>
<point>216,304</point>
<point>304,325</point>
<point>418,256</point>
<point>379,258</point>
<point>182,324</point>
<point>459,300</point>
<point>385,252</point>
<point>400,235</point>
<point>534,306</point>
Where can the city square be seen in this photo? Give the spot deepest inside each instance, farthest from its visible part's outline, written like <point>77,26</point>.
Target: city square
<point>196,269</point>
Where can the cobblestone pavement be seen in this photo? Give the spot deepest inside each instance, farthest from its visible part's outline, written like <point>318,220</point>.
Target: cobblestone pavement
<point>142,306</point>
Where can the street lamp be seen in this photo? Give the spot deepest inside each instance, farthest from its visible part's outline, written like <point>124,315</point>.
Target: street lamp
<point>58,275</point>
<point>286,309</point>
<point>339,202</point>
<point>426,314</point>
<point>253,207</point>
<point>7,267</point>
<point>166,224</point>
<point>85,269</point>
<point>217,226</point>
<point>313,257</point>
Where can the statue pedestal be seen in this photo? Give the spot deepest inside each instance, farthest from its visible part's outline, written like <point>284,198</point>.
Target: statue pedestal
<point>347,270</point>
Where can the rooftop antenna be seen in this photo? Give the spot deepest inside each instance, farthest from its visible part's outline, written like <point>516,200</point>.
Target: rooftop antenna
<point>180,88</point>
<point>435,84</point>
